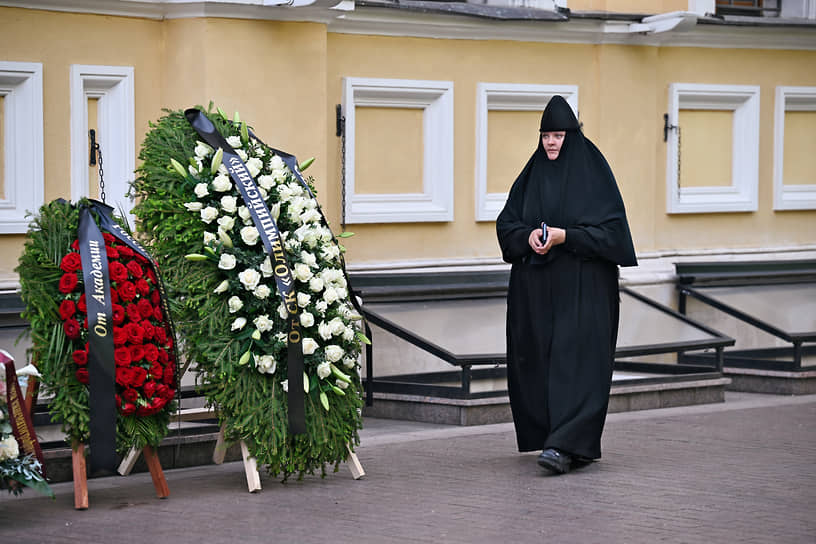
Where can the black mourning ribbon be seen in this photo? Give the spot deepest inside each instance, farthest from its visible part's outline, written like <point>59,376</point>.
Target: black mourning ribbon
<point>271,239</point>
<point>101,365</point>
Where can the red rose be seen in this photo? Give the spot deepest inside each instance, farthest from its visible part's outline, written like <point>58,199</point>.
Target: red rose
<point>81,304</point>
<point>149,329</point>
<point>137,353</point>
<point>163,357</point>
<point>169,375</point>
<point>120,336</point>
<point>143,411</point>
<point>117,272</point>
<point>159,335</point>
<point>157,314</point>
<point>68,282</point>
<point>141,259</point>
<point>142,286</point>
<point>128,409</point>
<point>157,371</point>
<point>71,262</point>
<point>130,395</point>
<point>151,353</point>
<point>152,276</point>
<point>124,376</point>
<point>109,239</point>
<point>155,297</point>
<point>133,313</point>
<point>111,252</point>
<point>80,357</point>
<point>135,333</point>
<point>75,245</point>
<point>127,291</point>
<point>118,400</point>
<point>149,388</point>
<point>135,270</point>
<point>82,375</point>
<point>67,309</point>
<point>118,314</point>
<point>125,251</point>
<point>85,323</point>
<point>145,308</point>
<point>121,356</point>
<point>71,328</point>
<point>114,296</point>
<point>139,376</point>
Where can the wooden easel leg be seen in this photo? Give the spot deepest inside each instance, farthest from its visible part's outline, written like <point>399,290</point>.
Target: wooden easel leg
<point>80,476</point>
<point>127,463</point>
<point>355,467</point>
<point>251,469</point>
<point>152,460</point>
<point>220,446</point>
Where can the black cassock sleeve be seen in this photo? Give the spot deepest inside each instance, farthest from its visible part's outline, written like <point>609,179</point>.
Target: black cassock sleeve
<point>513,233</point>
<point>605,241</point>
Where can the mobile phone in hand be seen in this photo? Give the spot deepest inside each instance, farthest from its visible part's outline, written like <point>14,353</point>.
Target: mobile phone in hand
<point>543,233</point>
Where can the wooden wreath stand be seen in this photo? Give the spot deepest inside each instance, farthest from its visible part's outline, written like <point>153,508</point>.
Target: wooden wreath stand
<point>251,465</point>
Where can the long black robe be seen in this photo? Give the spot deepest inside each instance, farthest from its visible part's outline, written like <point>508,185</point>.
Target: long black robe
<point>562,308</point>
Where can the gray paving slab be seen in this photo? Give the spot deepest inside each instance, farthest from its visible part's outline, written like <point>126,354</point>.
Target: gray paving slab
<point>741,471</point>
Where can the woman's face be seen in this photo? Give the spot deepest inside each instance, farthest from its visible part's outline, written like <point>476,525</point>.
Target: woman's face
<point>552,142</point>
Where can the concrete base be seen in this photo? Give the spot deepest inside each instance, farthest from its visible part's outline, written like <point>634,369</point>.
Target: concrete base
<point>623,398</point>
<point>771,381</point>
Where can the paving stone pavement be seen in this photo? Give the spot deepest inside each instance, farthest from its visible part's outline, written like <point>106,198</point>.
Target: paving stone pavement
<point>743,471</point>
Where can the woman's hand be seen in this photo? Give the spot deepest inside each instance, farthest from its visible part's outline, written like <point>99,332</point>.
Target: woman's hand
<point>555,236</point>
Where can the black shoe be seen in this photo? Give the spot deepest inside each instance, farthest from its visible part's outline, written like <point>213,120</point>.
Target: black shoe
<point>555,461</point>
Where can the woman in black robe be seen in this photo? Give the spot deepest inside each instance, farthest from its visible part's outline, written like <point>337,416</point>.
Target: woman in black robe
<point>563,300</point>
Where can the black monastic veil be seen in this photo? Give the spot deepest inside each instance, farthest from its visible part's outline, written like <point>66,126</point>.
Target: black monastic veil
<point>563,307</point>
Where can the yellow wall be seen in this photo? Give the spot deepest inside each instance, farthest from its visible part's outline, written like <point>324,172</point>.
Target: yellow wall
<point>629,6</point>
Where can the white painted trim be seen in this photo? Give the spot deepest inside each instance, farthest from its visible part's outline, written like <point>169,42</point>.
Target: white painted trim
<point>21,86</point>
<point>741,194</point>
<point>113,87</point>
<point>507,97</point>
<point>435,99</point>
<point>793,196</point>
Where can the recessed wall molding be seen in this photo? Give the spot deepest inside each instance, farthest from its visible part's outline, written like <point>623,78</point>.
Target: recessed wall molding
<point>435,99</point>
<point>798,196</point>
<point>741,194</point>
<point>21,88</point>
<point>507,97</point>
<point>113,87</point>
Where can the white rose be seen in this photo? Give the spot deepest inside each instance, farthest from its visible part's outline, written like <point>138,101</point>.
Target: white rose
<point>227,261</point>
<point>193,206</point>
<point>316,284</point>
<point>235,304</point>
<point>262,291</point>
<point>284,192</point>
<point>234,141</point>
<point>285,385</point>
<point>303,299</point>
<point>341,384</point>
<point>296,188</point>
<point>308,258</point>
<point>266,181</point>
<point>323,370</point>
<point>336,325</point>
<point>209,237</point>
<point>250,278</point>
<point>310,216</point>
<point>280,174</point>
<point>263,323</point>
<point>276,163</point>
<point>226,222</point>
<point>9,449</point>
<point>342,293</point>
<point>241,153</point>
<point>208,214</point>
<point>302,272</point>
<point>254,166</point>
<point>229,203</point>
<point>324,330</point>
<point>282,311</point>
<point>243,213</point>
<point>239,323</point>
<point>306,319</point>
<point>309,346</point>
<point>348,334</point>
<point>201,190</point>
<point>330,252</point>
<point>280,336</point>
<point>266,268</point>
<point>202,150</point>
<point>324,234</point>
<point>348,362</point>
<point>321,306</point>
<point>222,183</point>
<point>330,295</point>
<point>266,364</point>
<point>249,235</point>
<point>333,353</point>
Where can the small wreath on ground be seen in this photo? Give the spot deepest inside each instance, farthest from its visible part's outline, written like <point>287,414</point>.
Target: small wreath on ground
<point>229,310</point>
